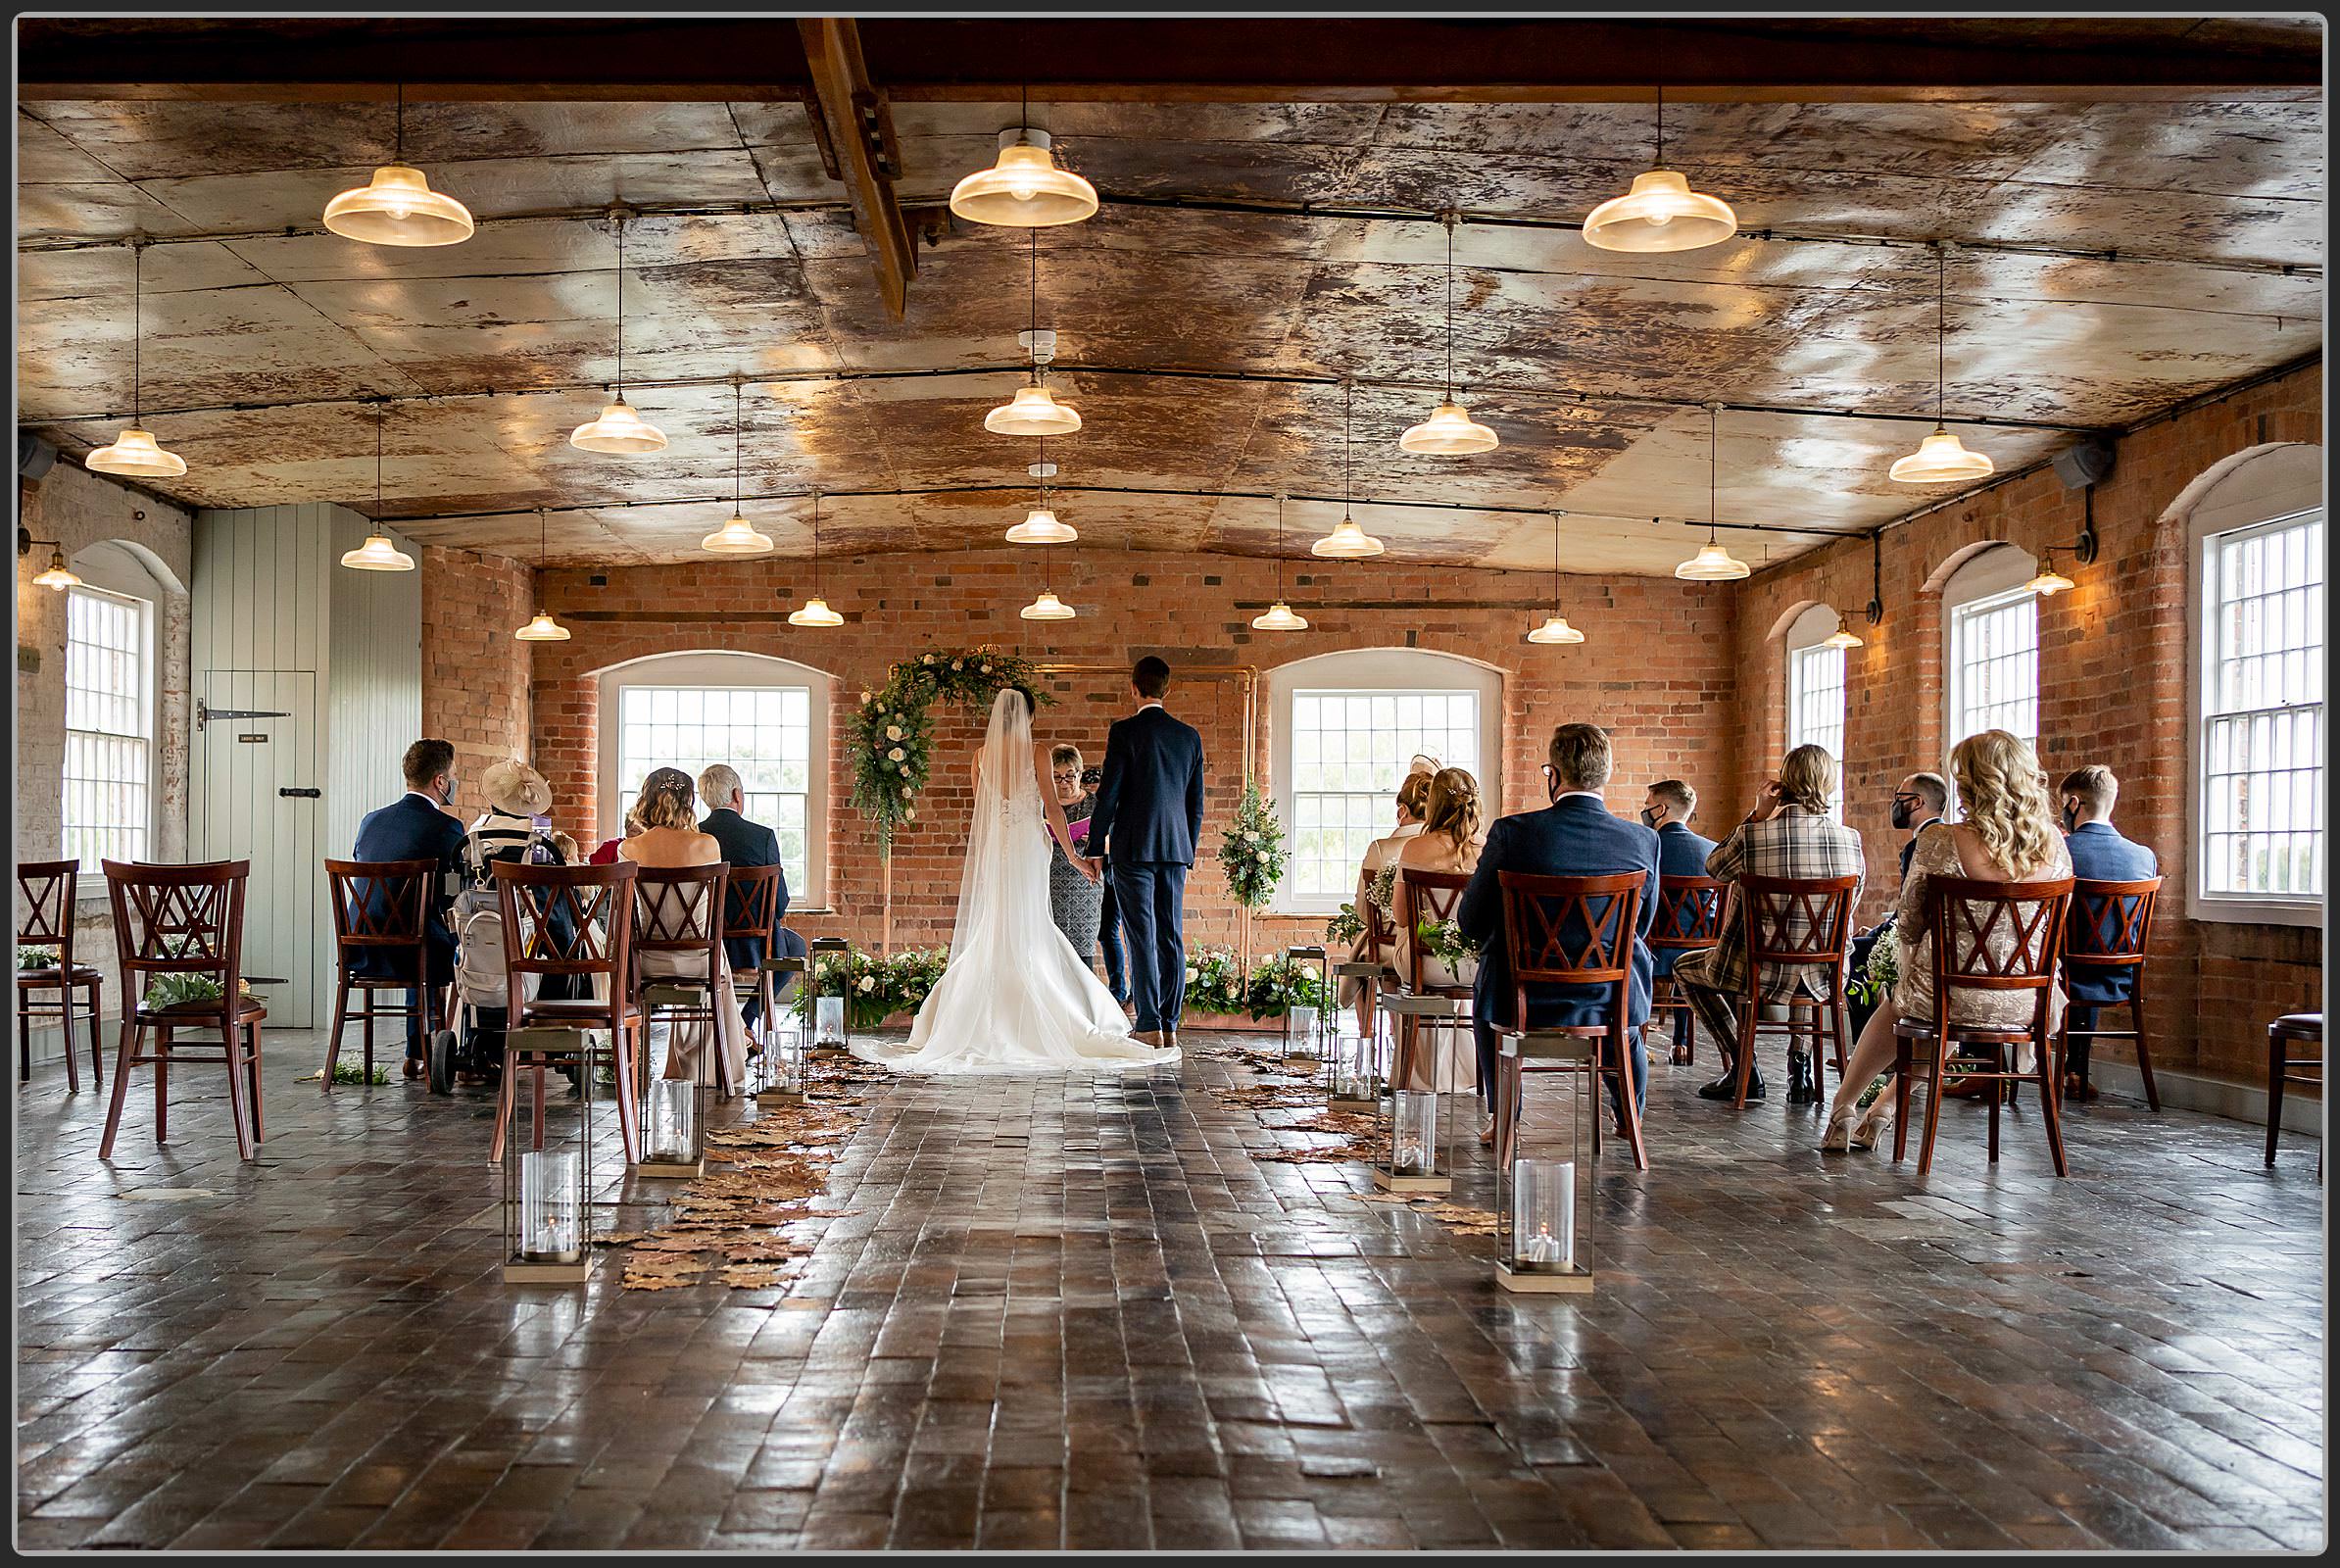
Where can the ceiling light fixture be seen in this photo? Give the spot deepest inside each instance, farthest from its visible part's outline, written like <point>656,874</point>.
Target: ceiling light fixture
<point>619,430</point>
<point>1661,213</point>
<point>58,574</point>
<point>816,611</point>
<point>1712,562</point>
<point>1048,606</point>
<point>1556,628</point>
<point>1279,616</point>
<point>1449,431</point>
<point>378,554</point>
<point>134,453</point>
<point>1034,409</point>
<point>541,627</point>
<point>399,206</point>
<point>1346,541</point>
<point>1041,525</point>
<point>737,538</point>
<point>1024,188</point>
<point>1941,458</point>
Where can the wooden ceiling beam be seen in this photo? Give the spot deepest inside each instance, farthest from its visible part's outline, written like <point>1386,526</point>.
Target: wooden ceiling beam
<point>861,135</point>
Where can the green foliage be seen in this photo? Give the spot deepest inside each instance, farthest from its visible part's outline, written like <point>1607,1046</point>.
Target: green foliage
<point>1348,926</point>
<point>36,958</point>
<point>892,732</point>
<point>354,1072</point>
<point>177,990</point>
<point>1875,983</point>
<point>1444,940</point>
<point>1252,852</point>
<point>1216,983</point>
<point>875,988</point>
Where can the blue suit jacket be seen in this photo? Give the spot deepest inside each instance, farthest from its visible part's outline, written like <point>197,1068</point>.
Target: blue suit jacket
<point>746,843</point>
<point>411,828</point>
<point>2099,853</point>
<point>1681,853</point>
<point>1149,798</point>
<point>1576,838</point>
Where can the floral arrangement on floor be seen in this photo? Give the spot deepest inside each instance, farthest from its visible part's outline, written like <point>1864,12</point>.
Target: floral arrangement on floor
<point>1216,983</point>
<point>1348,926</point>
<point>892,731</point>
<point>36,958</point>
<point>1252,852</point>
<point>875,988</point>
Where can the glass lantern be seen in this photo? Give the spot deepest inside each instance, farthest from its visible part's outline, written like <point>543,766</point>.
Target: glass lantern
<point>1355,1082</point>
<point>780,1070</point>
<point>548,1166</point>
<point>1303,1023</point>
<point>829,1029</point>
<point>673,1128</point>
<point>1544,1197</point>
<point>1411,1159</point>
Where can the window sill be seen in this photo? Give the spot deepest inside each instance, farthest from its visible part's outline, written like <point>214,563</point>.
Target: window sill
<point>2256,911</point>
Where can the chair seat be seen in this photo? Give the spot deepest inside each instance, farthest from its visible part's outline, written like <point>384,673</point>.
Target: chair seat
<point>2305,1027</point>
<point>1922,1029</point>
<point>198,1014</point>
<point>82,974</point>
<point>584,1011</point>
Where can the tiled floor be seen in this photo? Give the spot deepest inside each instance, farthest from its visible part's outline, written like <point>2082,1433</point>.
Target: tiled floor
<point>1076,1313</point>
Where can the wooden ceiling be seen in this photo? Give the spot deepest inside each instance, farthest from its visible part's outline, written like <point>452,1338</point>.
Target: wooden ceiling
<point>2136,212</point>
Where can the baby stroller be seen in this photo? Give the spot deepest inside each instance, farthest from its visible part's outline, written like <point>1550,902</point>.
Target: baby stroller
<point>474,1044</point>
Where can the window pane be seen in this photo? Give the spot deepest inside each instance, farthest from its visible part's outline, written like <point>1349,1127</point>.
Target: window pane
<point>1349,751</point>
<point>763,733</point>
<point>2263,726</point>
<point>109,738</point>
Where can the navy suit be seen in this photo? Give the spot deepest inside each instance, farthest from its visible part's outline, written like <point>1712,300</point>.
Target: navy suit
<point>412,828</point>
<point>1576,837</point>
<point>746,843</point>
<point>1681,853</point>
<point>1148,815</point>
<point>2099,853</point>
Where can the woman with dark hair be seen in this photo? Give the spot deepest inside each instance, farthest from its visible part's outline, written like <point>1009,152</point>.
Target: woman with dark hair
<point>1076,900</point>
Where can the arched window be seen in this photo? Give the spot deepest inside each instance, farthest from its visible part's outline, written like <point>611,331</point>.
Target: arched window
<point>768,718</point>
<point>1346,728</point>
<point>1990,647</point>
<point>110,695</point>
<point>1814,683</point>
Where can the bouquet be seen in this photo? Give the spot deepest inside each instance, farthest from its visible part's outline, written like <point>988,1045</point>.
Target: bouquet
<point>1444,940</point>
<point>1348,926</point>
<point>1279,985</point>
<point>875,988</point>
<point>1875,983</point>
<point>36,958</point>
<point>1383,889</point>
<point>1215,983</point>
<point>1252,852</point>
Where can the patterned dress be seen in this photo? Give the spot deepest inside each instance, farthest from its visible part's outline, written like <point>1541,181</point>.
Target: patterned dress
<point>1075,902</point>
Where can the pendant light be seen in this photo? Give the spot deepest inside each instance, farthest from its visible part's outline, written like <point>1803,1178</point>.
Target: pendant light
<point>1048,606</point>
<point>738,537</point>
<point>2049,581</point>
<point>1449,431</point>
<point>1024,188</point>
<point>1040,525</point>
<point>1034,409</point>
<point>399,206</point>
<point>1661,213</point>
<point>134,453</point>
<point>541,627</point>
<point>58,574</point>
<point>378,554</point>
<point>1940,458</point>
<point>1279,616</point>
<point>1556,628</point>
<point>816,611</point>
<point>619,429</point>
<point>1841,637</point>
<point>1346,541</point>
<point>1712,562</point>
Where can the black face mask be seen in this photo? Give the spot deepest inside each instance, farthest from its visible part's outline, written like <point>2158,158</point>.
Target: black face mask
<point>1901,813</point>
<point>2071,820</point>
<point>1649,817</point>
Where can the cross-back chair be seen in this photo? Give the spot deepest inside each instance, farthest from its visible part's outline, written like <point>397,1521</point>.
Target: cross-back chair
<point>1572,931</point>
<point>380,907</point>
<point>677,941</point>
<point>46,890</point>
<point>1417,897</point>
<point>573,924</point>
<point>751,915</point>
<point>2104,934</point>
<point>1689,919</point>
<point>1799,923</point>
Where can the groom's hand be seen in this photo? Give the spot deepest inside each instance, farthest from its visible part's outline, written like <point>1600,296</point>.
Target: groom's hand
<point>1092,867</point>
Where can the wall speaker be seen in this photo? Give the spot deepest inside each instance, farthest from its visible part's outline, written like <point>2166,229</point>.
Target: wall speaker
<point>2085,465</point>
<point>33,455</point>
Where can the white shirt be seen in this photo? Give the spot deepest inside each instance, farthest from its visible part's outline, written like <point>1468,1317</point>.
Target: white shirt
<point>1150,701</point>
<point>1590,793</point>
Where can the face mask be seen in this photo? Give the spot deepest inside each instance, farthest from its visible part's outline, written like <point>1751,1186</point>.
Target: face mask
<point>2071,820</point>
<point>1649,817</point>
<point>447,795</point>
<point>1901,813</point>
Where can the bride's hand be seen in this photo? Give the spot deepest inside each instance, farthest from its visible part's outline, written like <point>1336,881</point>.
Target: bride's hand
<point>1086,866</point>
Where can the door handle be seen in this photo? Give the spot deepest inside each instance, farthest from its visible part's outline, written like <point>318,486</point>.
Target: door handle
<point>301,795</point>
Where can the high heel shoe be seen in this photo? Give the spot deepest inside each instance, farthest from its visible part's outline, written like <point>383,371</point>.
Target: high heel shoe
<point>1837,1140</point>
<point>1874,1125</point>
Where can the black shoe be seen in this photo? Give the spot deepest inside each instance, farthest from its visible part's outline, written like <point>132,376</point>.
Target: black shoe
<point>1801,1090</point>
<point>1726,1087</point>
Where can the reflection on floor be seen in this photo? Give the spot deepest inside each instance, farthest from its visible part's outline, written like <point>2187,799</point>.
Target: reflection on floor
<point>1078,1313</point>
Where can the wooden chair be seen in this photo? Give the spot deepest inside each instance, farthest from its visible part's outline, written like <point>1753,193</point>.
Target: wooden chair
<point>1572,931</point>
<point>1689,919</point>
<point>2292,1029</point>
<point>752,909</point>
<point>1420,896</point>
<point>1378,948</point>
<point>1963,915</point>
<point>2105,930</point>
<point>678,910</point>
<point>1794,922</point>
<point>45,891</point>
<point>184,919</point>
<point>575,921</point>
<point>380,907</point>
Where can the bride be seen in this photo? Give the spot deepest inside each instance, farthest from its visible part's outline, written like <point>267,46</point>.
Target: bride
<point>1015,998</point>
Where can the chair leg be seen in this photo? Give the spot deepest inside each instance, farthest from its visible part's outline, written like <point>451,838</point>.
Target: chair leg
<point>121,1087</point>
<point>161,1061</point>
<point>24,1040</point>
<point>2276,1053</point>
<point>1998,1063</point>
<point>2051,1112</point>
<point>341,1016</point>
<point>504,1100</point>
<point>1507,1087</point>
<point>1625,1097</point>
<point>237,1084</point>
<point>1939,1052</point>
<point>64,1021</point>
<point>1901,1099</point>
<point>97,1052</point>
<point>1749,1013</point>
<point>627,1051</point>
<point>2136,1014</point>
<point>254,1069</point>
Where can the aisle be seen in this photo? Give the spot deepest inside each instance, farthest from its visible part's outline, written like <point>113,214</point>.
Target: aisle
<point>1080,1314</point>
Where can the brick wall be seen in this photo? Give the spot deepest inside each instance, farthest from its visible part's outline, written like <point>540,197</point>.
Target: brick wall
<point>474,675</point>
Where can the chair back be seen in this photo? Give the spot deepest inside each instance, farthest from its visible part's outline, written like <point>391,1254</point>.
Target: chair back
<point>565,920</point>
<point>2108,922</point>
<point>1996,936</point>
<point>1571,930</point>
<point>1421,896</point>
<point>1689,913</point>
<point>45,906</point>
<point>379,903</point>
<point>179,920</point>
<point>1381,931</point>
<point>751,903</point>
<point>679,908</point>
<point>1795,922</point>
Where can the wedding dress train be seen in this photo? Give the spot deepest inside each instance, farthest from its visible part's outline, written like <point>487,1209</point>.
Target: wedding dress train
<point>1015,997</point>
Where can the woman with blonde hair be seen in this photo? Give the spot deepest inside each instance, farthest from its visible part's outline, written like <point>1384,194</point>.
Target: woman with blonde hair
<point>1450,842</point>
<point>1413,797</point>
<point>2007,832</point>
<point>667,837</point>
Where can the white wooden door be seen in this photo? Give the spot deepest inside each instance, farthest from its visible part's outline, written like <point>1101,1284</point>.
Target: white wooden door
<point>257,787</point>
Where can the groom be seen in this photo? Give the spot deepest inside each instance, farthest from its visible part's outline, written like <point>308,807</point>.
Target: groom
<point>1149,815</point>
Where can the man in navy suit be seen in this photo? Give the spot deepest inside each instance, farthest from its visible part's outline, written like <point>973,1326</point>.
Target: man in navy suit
<point>1148,817</point>
<point>2099,853</point>
<point>1668,809</point>
<point>746,843</point>
<point>419,826</point>
<point>1575,837</point>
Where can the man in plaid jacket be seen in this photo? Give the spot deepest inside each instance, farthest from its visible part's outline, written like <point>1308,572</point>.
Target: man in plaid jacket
<point>1788,834</point>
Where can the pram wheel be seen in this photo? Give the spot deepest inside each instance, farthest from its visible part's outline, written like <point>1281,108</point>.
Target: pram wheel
<point>442,1061</point>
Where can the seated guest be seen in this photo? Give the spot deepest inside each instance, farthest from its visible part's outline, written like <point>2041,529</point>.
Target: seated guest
<point>2099,853</point>
<point>1076,899</point>
<point>1413,798</point>
<point>746,843</point>
<point>565,847</point>
<point>1575,837</point>
<point>1788,834</point>
<point>606,852</point>
<point>1917,804</point>
<point>1449,841</point>
<point>517,800</point>
<point>1668,809</point>
<point>2006,833</point>
<point>420,825</point>
<point>670,838</point>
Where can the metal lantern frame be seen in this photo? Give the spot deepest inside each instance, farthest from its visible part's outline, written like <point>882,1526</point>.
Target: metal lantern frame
<point>658,1099</point>
<point>1568,1179</point>
<point>560,1181</point>
<point>814,951</point>
<point>1306,1052</point>
<point>1360,1075</point>
<point>780,1069</point>
<point>1391,1110</point>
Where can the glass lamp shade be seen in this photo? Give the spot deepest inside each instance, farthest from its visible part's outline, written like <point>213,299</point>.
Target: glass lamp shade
<point>59,575</point>
<point>1280,617</point>
<point>1032,411</point>
<point>1940,458</point>
<point>828,1022</point>
<point>377,554</point>
<point>1346,542</point>
<point>738,537</point>
<point>816,612</point>
<point>1449,433</point>
<point>1712,563</point>
<point>135,454</point>
<point>1024,188</point>
<point>2049,581</point>
<point>1042,527</point>
<point>398,208</point>
<point>1048,606</point>
<point>1555,629</point>
<point>1661,213</point>
<point>542,628</point>
<point>619,430</point>
<point>1841,637</point>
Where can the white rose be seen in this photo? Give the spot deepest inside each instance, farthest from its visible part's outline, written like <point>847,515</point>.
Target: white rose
<point>956,664</point>
<point>1263,855</point>
<point>1191,977</point>
<point>910,815</point>
<point>926,659</point>
<point>894,732</point>
<point>865,699</point>
<point>907,792</point>
<point>895,756</point>
<point>868,983</point>
<point>1250,837</point>
<point>987,669</point>
<point>906,770</point>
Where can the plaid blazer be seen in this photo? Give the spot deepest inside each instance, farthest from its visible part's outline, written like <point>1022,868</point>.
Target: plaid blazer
<point>1793,843</point>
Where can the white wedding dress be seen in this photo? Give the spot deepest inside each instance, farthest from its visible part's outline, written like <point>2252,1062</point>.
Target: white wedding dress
<point>1015,997</point>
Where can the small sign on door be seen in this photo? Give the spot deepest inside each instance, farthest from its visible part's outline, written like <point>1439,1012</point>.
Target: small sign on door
<point>252,740</point>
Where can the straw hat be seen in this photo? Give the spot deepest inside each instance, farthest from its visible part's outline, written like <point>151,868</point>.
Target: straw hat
<point>517,790</point>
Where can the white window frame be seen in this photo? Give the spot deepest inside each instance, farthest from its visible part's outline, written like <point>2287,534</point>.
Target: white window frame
<point>2276,487</point>
<point>1380,669</point>
<point>1991,580</point>
<point>111,573</point>
<point>707,670</point>
<point>1807,647</point>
